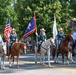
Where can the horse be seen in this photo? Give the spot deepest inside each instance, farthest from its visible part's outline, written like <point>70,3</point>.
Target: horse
<point>2,55</point>
<point>64,49</point>
<point>44,48</point>
<point>16,49</point>
<point>75,50</point>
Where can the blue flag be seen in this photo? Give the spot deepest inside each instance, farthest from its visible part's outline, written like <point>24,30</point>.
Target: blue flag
<point>31,27</point>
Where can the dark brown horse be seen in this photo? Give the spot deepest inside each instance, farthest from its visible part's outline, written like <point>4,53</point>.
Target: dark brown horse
<point>64,48</point>
<point>16,50</point>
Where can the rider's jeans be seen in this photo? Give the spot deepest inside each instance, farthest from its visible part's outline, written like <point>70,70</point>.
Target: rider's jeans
<point>58,43</point>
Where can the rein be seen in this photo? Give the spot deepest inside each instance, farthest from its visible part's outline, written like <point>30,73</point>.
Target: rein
<point>44,48</point>
<point>46,45</point>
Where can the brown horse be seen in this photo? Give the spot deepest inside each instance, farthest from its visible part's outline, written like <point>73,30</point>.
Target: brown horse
<point>64,48</point>
<point>16,50</point>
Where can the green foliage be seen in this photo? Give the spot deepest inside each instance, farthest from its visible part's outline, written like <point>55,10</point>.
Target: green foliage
<point>23,10</point>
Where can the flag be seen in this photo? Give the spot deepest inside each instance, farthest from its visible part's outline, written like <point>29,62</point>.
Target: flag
<point>31,27</point>
<point>54,28</point>
<point>7,31</point>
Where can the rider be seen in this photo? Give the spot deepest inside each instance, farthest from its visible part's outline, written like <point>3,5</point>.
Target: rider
<point>42,36</point>
<point>60,36</point>
<point>74,43</point>
<point>13,37</point>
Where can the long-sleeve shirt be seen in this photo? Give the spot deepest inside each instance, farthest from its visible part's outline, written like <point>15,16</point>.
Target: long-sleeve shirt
<point>42,37</point>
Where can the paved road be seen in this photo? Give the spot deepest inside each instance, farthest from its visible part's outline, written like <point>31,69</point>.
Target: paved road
<point>27,67</point>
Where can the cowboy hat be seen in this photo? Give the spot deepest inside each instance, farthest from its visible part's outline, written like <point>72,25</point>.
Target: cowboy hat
<point>61,29</point>
<point>42,29</point>
<point>13,29</point>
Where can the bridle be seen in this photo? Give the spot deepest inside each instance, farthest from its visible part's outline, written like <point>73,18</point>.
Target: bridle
<point>47,45</point>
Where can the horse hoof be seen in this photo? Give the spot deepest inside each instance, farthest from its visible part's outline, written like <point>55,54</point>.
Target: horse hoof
<point>3,68</point>
<point>17,67</point>
<point>68,64</point>
<point>49,65</point>
<point>10,66</point>
<point>43,64</point>
<point>35,62</point>
<point>73,62</point>
<point>55,62</point>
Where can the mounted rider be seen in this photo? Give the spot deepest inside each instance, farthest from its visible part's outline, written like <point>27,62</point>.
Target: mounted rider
<point>74,43</point>
<point>60,36</point>
<point>13,37</point>
<point>41,37</point>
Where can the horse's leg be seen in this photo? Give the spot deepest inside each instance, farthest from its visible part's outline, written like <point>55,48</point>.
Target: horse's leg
<point>43,58</point>
<point>56,56</point>
<point>67,56</point>
<point>70,57</point>
<point>36,54</point>
<point>40,58</point>
<point>13,61</point>
<point>3,62</point>
<point>63,58</point>
<point>0,62</point>
<point>10,59</point>
<point>49,57</point>
<point>17,61</point>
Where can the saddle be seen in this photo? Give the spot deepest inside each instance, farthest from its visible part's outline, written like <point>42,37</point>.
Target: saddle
<point>9,48</point>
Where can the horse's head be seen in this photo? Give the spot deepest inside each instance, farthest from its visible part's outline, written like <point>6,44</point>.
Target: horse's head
<point>69,37</point>
<point>52,41</point>
<point>23,47</point>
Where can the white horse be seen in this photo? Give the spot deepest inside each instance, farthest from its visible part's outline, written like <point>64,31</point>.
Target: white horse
<point>2,55</point>
<point>45,48</point>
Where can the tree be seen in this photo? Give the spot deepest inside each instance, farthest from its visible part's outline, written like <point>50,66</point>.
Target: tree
<point>5,12</point>
<point>23,11</point>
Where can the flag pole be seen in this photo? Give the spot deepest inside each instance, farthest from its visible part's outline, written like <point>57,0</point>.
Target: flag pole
<point>36,39</point>
<point>36,30</point>
<point>55,32</point>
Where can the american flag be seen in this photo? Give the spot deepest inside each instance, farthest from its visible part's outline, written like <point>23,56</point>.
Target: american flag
<point>7,31</point>
<point>31,27</point>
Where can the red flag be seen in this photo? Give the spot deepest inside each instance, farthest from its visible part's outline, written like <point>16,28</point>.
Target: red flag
<point>7,31</point>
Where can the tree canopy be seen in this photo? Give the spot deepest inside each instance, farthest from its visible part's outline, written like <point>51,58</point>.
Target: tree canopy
<point>22,11</point>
